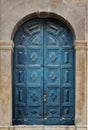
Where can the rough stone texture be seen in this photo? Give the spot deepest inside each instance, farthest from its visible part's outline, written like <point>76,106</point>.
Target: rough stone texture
<point>0,19</point>
<point>80,83</point>
<point>39,128</point>
<point>43,128</point>
<point>27,128</point>
<point>13,11</point>
<point>5,88</point>
<point>5,84</point>
<point>81,128</point>
<point>87,82</point>
<point>87,62</point>
<point>87,20</point>
<point>4,128</point>
<point>59,128</point>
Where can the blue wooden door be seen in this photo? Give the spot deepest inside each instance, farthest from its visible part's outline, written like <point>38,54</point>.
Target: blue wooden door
<point>43,74</point>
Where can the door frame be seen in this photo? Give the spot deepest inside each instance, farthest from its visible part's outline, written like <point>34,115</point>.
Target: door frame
<point>80,48</point>
<point>6,50</point>
<point>71,49</point>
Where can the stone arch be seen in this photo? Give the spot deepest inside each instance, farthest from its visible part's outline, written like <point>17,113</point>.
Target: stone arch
<point>43,15</point>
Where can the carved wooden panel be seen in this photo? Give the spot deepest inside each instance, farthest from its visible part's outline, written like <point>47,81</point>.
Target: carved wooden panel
<point>43,74</point>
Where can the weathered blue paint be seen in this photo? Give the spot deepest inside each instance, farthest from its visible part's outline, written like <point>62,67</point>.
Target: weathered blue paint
<point>43,74</point>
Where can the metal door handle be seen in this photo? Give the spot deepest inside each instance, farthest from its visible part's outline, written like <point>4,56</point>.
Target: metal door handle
<point>44,97</point>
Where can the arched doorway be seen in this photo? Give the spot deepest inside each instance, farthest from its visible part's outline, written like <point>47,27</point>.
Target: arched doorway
<point>43,73</point>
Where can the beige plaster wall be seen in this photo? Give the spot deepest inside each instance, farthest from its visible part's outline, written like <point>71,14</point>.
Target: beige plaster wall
<point>74,11</point>
<point>87,61</point>
<point>0,19</point>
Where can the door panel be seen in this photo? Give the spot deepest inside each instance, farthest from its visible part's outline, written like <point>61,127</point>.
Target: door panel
<point>34,75</point>
<point>43,74</point>
<point>28,64</point>
<point>58,70</point>
<point>51,74</point>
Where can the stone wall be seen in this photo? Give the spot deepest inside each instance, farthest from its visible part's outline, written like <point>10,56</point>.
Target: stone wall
<point>87,61</point>
<point>0,19</point>
<point>13,13</point>
<point>73,11</point>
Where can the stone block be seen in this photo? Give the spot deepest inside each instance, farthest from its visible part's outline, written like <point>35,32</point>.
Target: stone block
<point>81,128</point>
<point>80,83</point>
<point>59,128</point>
<point>31,127</point>
<point>37,127</point>
<point>4,128</point>
<point>5,84</point>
